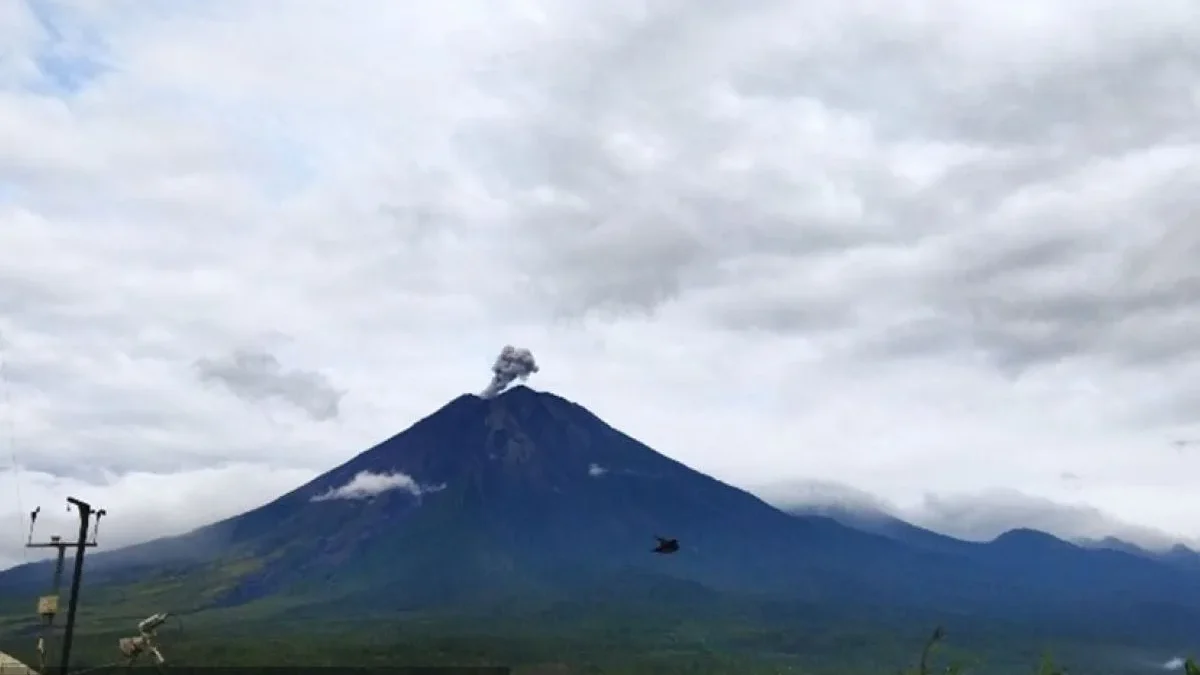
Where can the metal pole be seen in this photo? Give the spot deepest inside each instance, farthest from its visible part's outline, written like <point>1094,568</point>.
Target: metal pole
<point>49,622</point>
<point>85,516</point>
<point>48,604</point>
<point>58,567</point>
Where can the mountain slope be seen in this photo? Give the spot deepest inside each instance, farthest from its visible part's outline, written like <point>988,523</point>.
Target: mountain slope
<point>1051,573</point>
<point>1178,556</point>
<point>535,494</point>
<point>885,525</point>
<point>527,494</point>
<point>527,499</point>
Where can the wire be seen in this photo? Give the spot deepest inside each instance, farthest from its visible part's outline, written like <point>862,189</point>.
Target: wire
<point>11,429</point>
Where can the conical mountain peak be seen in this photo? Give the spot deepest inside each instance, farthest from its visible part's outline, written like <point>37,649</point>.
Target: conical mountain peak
<point>527,495</point>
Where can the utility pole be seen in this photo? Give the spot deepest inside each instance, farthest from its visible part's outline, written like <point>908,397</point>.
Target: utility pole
<point>48,604</point>
<point>81,546</point>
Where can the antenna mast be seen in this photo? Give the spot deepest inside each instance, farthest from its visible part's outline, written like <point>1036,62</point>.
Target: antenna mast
<point>48,605</point>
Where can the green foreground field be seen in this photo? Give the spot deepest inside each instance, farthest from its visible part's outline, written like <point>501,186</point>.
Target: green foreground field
<point>608,645</point>
<point>589,637</point>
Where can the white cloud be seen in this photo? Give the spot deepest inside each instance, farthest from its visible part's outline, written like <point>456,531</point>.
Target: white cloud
<point>978,516</point>
<point>931,247</point>
<point>595,470</point>
<point>805,494</point>
<point>141,505</point>
<point>258,376</point>
<point>366,484</point>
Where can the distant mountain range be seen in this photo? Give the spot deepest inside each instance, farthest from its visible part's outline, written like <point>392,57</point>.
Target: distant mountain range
<point>875,521</point>
<point>529,500</point>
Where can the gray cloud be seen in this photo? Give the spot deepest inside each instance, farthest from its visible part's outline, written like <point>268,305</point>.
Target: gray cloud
<point>992,168</point>
<point>258,376</point>
<point>987,515</point>
<point>141,505</point>
<point>978,516</point>
<point>806,494</point>
<point>950,246</point>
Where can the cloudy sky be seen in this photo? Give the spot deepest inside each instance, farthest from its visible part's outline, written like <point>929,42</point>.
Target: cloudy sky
<point>942,252</point>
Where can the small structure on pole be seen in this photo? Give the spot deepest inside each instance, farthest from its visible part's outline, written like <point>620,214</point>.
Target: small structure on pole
<point>48,605</point>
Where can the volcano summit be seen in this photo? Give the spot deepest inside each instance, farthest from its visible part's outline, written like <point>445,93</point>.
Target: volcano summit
<point>526,499</point>
<point>524,492</point>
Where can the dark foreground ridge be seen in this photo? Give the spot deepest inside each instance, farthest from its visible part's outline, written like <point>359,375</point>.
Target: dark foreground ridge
<point>316,670</point>
<point>528,503</point>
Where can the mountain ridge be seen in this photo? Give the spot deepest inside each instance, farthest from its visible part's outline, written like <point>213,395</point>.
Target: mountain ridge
<point>506,508</point>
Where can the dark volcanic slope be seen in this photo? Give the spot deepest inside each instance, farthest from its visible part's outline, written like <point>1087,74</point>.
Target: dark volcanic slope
<point>534,492</point>
<point>530,496</point>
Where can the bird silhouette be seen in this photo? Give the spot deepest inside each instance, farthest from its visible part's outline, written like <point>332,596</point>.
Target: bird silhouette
<point>666,546</point>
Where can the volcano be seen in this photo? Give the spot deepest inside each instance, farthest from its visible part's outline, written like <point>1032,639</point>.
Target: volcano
<point>528,498</point>
<point>528,494</point>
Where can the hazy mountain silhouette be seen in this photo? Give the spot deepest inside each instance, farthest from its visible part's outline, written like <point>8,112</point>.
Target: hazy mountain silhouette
<point>1178,556</point>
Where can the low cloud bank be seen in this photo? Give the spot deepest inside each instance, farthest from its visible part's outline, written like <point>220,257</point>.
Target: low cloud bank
<point>366,485</point>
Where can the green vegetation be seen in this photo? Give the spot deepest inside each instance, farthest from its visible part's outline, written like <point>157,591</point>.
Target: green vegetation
<point>606,646</point>
<point>585,636</point>
<point>589,636</point>
<point>926,667</point>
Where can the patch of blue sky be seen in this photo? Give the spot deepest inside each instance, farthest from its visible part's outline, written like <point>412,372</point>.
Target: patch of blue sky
<point>287,163</point>
<point>64,75</point>
<point>292,165</point>
<point>69,58</point>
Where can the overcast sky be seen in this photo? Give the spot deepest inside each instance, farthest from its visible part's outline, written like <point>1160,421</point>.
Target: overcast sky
<point>942,252</point>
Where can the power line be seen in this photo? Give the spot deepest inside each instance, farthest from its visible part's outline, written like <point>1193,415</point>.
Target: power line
<point>11,429</point>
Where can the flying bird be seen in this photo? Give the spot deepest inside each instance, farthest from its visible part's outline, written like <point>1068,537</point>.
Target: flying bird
<point>666,546</point>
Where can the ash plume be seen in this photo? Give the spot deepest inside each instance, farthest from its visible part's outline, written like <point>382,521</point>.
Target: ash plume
<point>513,364</point>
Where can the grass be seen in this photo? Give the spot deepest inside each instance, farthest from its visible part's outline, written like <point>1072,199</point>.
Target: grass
<point>589,637</point>
<point>1047,665</point>
<point>610,650</point>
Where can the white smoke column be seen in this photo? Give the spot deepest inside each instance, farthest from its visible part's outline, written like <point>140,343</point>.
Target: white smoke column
<point>513,364</point>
